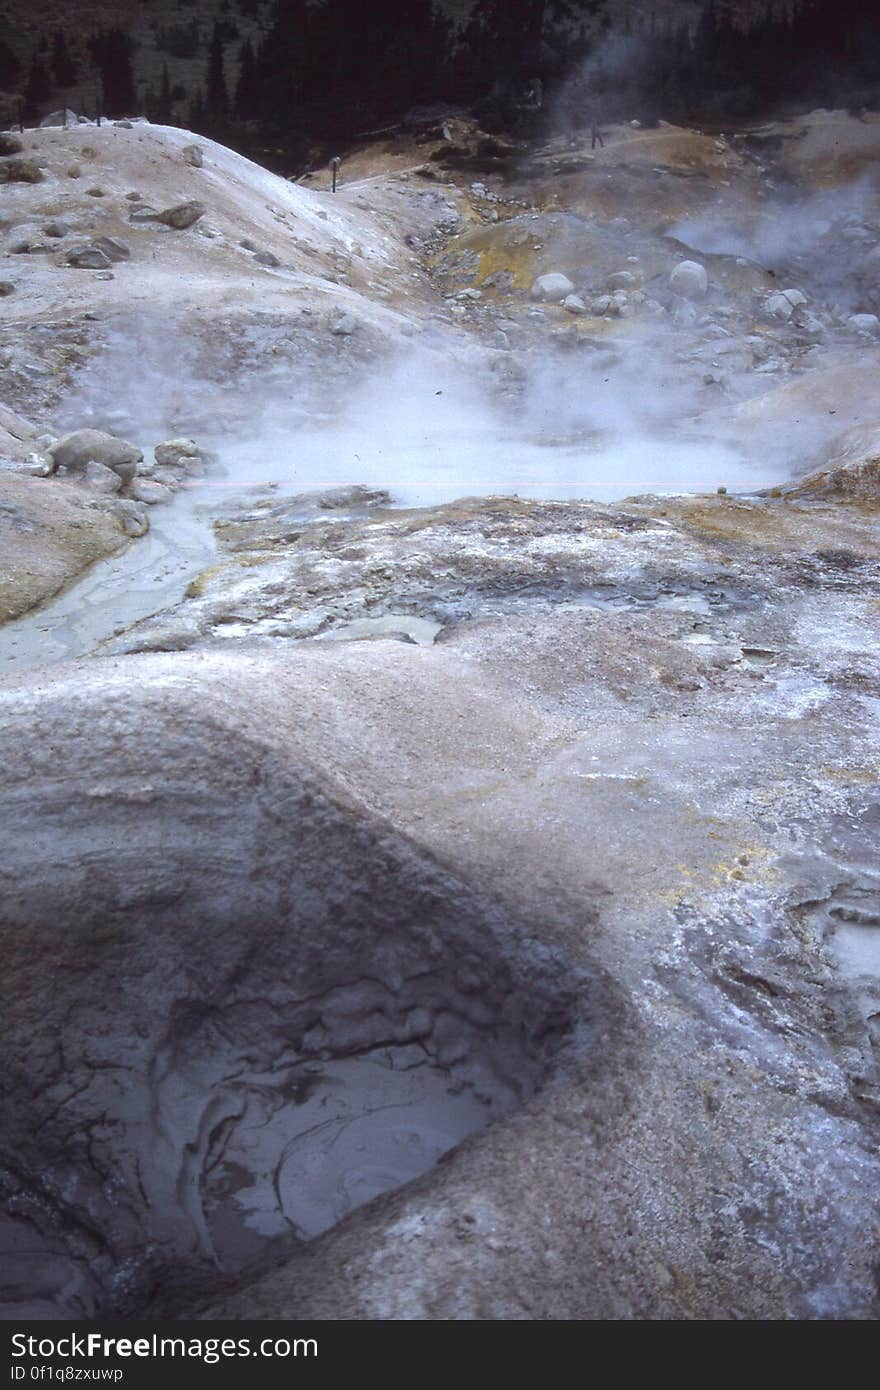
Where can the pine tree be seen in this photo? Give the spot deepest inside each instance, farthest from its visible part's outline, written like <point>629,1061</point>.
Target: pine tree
<point>197,117</point>
<point>280,66</point>
<point>112,52</point>
<point>246,106</point>
<point>216,95</point>
<point>38,86</point>
<point>165,104</point>
<point>517,30</point>
<point>64,69</point>
<point>9,65</point>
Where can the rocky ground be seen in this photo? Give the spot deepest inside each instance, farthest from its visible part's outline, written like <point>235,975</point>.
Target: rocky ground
<point>533,834</point>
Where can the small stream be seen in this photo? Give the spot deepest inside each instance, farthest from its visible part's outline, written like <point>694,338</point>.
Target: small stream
<point>147,576</point>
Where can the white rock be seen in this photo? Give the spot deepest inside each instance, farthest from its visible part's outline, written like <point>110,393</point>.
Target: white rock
<point>101,478</point>
<point>183,455</point>
<point>622,280</point>
<point>554,286</point>
<point>344,325</point>
<point>167,477</point>
<point>863,323</point>
<point>60,118</point>
<point>690,280</point>
<point>133,516</point>
<point>74,451</point>
<point>574,304</point>
<point>148,491</point>
<point>778,306</point>
<point>796,298</point>
<point>37,466</point>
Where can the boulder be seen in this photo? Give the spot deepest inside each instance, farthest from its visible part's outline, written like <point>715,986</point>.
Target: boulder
<point>149,491</point>
<point>20,171</point>
<point>37,466</point>
<point>622,280</point>
<point>100,477</point>
<point>182,215</point>
<point>779,306</point>
<point>167,477</point>
<point>690,280</point>
<point>863,323</point>
<point>132,516</point>
<point>9,143</point>
<point>267,258</point>
<point>75,451</point>
<point>87,258</point>
<point>64,117</point>
<point>180,455</point>
<point>574,304</point>
<point>50,531</point>
<point>192,154</point>
<point>6,288</point>
<point>552,287</point>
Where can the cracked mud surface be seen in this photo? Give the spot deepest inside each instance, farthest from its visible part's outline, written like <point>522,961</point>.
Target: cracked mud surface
<point>335,1013</point>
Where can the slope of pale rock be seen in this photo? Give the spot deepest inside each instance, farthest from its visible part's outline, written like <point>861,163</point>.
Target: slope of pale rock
<point>197,289</point>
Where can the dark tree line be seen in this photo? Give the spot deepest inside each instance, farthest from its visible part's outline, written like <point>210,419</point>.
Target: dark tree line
<point>811,50</point>
<point>322,73</point>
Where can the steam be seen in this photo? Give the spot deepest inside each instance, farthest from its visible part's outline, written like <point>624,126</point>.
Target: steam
<point>438,422</point>
<point>433,428</point>
<point>828,237</point>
